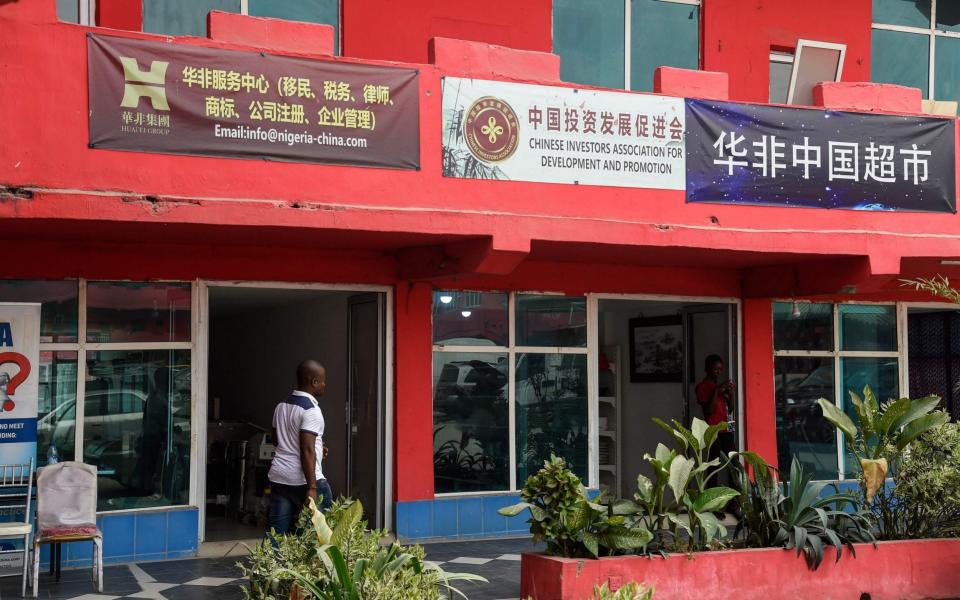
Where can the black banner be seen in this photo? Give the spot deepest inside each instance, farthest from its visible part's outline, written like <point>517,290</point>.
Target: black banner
<point>779,156</point>
<point>181,99</point>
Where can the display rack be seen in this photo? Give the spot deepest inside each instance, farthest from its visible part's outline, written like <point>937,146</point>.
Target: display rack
<point>608,421</point>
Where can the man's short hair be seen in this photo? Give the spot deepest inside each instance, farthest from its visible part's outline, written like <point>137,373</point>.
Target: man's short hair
<point>711,360</point>
<point>306,369</point>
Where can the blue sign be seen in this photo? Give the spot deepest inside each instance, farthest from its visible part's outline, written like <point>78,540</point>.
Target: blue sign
<point>781,156</point>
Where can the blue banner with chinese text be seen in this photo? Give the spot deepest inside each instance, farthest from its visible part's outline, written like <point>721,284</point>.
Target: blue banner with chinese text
<point>780,156</point>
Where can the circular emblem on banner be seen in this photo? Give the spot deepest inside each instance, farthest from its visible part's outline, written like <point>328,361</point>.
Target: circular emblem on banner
<point>491,129</point>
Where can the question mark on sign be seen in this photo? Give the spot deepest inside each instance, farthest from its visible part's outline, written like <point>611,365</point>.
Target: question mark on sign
<point>15,381</point>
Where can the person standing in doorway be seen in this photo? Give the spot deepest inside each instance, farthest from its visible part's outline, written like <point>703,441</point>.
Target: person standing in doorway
<point>716,400</point>
<point>295,473</point>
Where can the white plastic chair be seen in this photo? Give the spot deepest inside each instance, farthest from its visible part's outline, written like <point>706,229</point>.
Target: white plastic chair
<point>16,493</point>
<point>67,512</point>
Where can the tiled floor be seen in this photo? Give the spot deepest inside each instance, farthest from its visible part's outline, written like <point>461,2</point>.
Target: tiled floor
<point>219,578</point>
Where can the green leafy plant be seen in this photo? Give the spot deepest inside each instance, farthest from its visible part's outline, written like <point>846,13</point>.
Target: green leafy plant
<point>334,557</point>
<point>562,515</point>
<point>677,506</point>
<point>878,442</point>
<point>928,484</point>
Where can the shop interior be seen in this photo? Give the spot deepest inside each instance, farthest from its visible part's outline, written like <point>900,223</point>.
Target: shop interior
<point>651,358</point>
<point>257,336</point>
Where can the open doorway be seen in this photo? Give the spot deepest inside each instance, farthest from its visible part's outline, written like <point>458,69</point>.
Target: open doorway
<point>651,357</point>
<point>256,338</point>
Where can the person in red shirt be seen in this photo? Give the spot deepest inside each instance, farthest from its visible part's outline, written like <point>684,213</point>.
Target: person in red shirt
<point>716,400</point>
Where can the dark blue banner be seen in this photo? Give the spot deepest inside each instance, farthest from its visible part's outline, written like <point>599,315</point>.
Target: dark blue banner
<point>18,431</point>
<point>779,156</point>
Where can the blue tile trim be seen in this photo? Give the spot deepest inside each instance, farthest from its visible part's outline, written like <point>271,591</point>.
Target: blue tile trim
<point>136,536</point>
<point>460,518</point>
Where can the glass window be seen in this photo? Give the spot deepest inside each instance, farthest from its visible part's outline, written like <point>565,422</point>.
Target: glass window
<point>947,76</point>
<point>589,38</point>
<point>56,404</point>
<point>868,328</point>
<point>551,411</point>
<point>883,377</point>
<point>662,34</point>
<point>136,429</point>
<point>552,321</point>
<point>471,443</point>
<point>310,11</point>
<point>138,312</point>
<point>913,13</point>
<point>68,11</point>
<point>802,431</point>
<point>802,326</point>
<point>470,318</point>
<point>59,309</point>
<point>948,16</point>
<point>901,58</point>
<point>183,17</point>
<point>781,66</point>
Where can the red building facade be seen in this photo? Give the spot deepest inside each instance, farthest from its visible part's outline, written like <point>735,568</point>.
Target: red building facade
<point>73,213</point>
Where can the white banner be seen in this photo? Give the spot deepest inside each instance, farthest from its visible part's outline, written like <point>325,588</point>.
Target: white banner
<point>19,377</point>
<point>519,132</point>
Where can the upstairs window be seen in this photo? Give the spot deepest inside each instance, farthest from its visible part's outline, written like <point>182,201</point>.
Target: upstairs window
<point>189,17</point>
<point>620,43</point>
<point>916,43</point>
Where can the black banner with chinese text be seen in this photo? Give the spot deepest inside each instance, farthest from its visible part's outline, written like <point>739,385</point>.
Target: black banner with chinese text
<point>180,99</point>
<point>779,156</point>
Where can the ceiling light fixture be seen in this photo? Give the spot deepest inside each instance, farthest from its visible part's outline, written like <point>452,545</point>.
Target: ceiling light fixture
<point>465,313</point>
<point>446,298</point>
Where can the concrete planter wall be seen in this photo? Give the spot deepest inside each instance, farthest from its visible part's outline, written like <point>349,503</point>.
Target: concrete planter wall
<point>901,570</point>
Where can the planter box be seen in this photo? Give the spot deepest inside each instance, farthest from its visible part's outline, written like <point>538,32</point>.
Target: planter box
<point>901,570</point>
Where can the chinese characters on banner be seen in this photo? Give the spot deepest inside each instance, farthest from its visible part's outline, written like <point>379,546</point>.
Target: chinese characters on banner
<point>499,130</point>
<point>179,99</point>
<point>19,381</point>
<point>769,155</point>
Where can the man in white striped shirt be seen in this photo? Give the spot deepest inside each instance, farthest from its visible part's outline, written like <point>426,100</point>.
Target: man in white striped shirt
<point>296,473</point>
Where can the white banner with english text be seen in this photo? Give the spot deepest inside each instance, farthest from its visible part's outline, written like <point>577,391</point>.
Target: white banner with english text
<point>520,132</point>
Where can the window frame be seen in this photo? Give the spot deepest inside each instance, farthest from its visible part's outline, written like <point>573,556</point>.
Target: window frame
<point>837,354</point>
<point>512,350</point>
<point>338,42</point>
<point>81,347</point>
<point>798,55</point>
<point>932,33</point>
<point>785,58</point>
<point>87,13</point>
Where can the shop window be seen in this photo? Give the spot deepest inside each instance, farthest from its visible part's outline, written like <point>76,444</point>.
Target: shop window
<point>551,401</point>
<point>138,312</point>
<point>620,43</point>
<point>934,355</point>
<point>809,366</point>
<point>133,423</point>
<point>59,305</point>
<point>136,427</point>
<point>481,380</point>
<point>915,43</point>
<point>326,12</point>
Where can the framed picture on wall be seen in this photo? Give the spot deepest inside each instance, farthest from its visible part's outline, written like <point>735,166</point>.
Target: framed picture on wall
<point>656,349</point>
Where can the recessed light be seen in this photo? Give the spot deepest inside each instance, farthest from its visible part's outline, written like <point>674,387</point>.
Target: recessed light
<point>465,313</point>
<point>446,298</point>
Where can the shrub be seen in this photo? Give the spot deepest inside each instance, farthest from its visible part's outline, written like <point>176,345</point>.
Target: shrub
<point>334,557</point>
<point>562,515</point>
<point>928,484</point>
<point>879,440</point>
<point>630,591</point>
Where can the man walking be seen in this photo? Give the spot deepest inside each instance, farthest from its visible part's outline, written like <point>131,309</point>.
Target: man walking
<point>295,473</point>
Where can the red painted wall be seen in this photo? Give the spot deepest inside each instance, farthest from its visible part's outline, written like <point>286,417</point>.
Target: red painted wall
<point>738,36</point>
<point>401,30</point>
<point>107,214</point>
